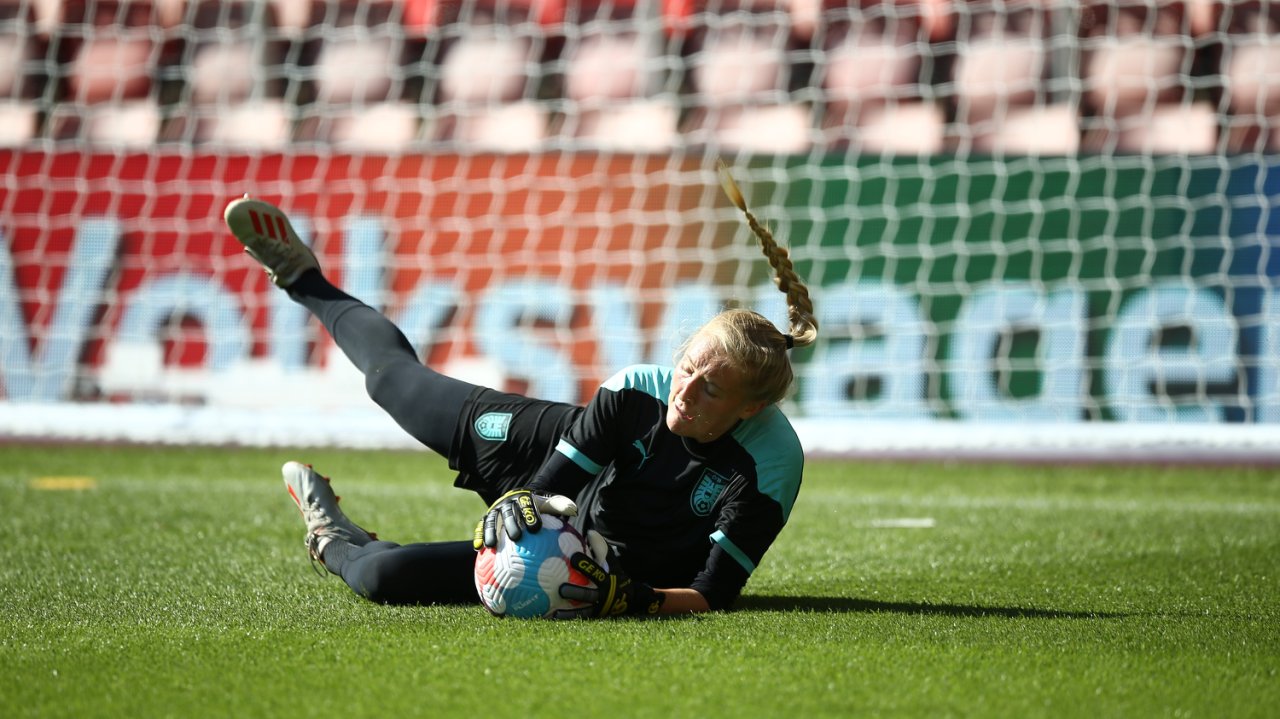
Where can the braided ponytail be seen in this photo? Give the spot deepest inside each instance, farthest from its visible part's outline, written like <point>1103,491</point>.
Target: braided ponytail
<point>803,324</point>
<point>749,340</point>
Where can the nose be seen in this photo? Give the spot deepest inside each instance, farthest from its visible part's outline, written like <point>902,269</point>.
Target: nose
<point>684,391</point>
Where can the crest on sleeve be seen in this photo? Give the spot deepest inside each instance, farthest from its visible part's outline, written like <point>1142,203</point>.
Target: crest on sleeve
<point>707,491</point>
<point>493,425</point>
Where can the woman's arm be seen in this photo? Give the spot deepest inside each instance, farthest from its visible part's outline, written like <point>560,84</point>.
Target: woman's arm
<point>683,601</point>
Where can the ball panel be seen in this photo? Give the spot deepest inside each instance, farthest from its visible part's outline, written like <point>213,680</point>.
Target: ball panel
<point>553,572</point>
<point>523,578</point>
<point>486,585</point>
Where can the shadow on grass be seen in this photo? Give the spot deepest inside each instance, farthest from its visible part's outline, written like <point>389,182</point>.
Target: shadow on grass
<point>848,604</point>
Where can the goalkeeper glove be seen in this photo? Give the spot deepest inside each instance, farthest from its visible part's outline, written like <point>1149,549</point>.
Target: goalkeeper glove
<point>614,594</point>
<point>519,510</point>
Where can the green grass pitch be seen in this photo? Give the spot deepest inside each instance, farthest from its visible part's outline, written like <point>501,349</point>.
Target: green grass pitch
<point>148,582</point>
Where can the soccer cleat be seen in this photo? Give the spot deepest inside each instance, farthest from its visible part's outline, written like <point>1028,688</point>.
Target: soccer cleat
<point>319,507</point>
<point>268,238</point>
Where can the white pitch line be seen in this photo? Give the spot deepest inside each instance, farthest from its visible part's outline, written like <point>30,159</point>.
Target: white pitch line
<point>271,481</point>
<point>1045,504</point>
<point>904,523</point>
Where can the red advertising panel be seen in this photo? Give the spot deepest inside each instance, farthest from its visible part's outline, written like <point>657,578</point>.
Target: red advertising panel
<point>472,223</point>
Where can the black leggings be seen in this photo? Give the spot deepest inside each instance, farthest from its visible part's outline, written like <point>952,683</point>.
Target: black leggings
<point>422,573</point>
<point>427,405</point>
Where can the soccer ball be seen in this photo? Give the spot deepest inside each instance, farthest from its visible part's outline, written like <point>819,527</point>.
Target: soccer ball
<point>523,578</point>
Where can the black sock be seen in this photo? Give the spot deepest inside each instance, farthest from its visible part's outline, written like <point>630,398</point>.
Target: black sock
<point>335,555</point>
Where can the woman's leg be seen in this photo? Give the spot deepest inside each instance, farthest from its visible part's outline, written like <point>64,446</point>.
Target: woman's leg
<point>390,573</point>
<point>424,402</point>
<point>427,404</point>
<point>438,573</point>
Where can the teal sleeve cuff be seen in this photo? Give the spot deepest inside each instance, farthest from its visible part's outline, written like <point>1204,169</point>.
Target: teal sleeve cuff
<point>729,547</point>
<point>578,458</point>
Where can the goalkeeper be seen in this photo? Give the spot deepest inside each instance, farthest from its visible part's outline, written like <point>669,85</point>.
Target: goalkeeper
<point>687,473</point>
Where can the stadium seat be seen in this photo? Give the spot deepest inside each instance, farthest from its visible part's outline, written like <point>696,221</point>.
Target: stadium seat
<point>294,17</point>
<point>129,124</point>
<point>359,78</point>
<point>1136,75</point>
<point>741,72</point>
<point>614,69</point>
<point>1037,130</point>
<point>638,126</point>
<point>781,129</point>
<point>384,127</point>
<point>21,77</point>
<point>20,51</point>
<point>116,50</point>
<point>251,125</point>
<point>868,62</point>
<point>1251,82</point>
<point>1181,129</point>
<point>902,128</point>
<point>510,127</point>
<point>489,80</point>
<point>234,81</point>
<point>1003,82</point>
<point>19,122</point>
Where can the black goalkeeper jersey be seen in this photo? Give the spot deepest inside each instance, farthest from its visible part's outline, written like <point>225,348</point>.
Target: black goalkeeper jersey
<point>678,513</point>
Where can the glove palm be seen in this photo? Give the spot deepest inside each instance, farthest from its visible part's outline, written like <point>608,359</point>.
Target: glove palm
<point>518,511</point>
<point>615,593</point>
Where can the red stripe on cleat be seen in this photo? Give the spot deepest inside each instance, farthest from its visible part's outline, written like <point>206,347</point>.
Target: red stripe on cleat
<point>257,224</point>
<point>283,235</point>
<point>271,229</point>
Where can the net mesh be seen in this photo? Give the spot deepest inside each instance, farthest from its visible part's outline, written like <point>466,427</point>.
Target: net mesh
<point>1019,213</point>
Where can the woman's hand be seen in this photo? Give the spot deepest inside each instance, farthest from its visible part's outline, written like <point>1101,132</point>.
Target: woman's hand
<point>615,593</point>
<point>519,511</point>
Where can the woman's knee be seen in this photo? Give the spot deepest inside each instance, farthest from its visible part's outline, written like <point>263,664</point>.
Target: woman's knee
<point>386,381</point>
<point>378,582</point>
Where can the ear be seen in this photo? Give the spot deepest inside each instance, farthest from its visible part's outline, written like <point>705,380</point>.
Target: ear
<point>752,409</point>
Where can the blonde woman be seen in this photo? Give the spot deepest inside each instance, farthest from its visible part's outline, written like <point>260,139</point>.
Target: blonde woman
<point>687,473</point>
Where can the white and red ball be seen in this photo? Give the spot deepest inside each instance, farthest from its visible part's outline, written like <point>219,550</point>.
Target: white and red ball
<point>523,578</point>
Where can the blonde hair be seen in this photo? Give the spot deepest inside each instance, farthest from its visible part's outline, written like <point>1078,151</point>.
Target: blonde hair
<point>751,343</point>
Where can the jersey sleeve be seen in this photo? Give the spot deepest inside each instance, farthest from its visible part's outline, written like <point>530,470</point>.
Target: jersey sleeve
<point>753,512</point>
<point>591,441</point>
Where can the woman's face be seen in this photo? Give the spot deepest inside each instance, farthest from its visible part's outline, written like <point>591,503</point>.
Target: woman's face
<point>707,395</point>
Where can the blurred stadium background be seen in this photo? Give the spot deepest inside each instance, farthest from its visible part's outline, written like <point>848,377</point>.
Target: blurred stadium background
<point>1032,229</point>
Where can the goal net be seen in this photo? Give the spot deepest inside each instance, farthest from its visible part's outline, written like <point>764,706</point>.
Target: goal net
<point>1031,229</point>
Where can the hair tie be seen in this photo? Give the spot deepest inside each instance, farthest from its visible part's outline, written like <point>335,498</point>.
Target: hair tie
<point>791,341</point>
